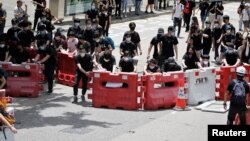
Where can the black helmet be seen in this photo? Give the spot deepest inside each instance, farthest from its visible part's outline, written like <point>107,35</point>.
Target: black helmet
<point>225,17</point>
<point>41,27</point>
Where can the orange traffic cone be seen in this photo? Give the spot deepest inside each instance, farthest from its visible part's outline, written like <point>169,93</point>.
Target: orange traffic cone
<point>181,104</point>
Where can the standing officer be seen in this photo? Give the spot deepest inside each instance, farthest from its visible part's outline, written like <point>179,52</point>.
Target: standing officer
<point>84,65</point>
<point>237,90</point>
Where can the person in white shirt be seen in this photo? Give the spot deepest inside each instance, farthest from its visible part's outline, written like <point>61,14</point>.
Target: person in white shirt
<point>177,16</point>
<point>19,13</point>
<point>245,17</point>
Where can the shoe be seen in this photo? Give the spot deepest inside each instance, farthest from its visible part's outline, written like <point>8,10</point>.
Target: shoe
<point>240,29</point>
<point>146,12</point>
<point>49,92</point>
<point>75,99</point>
<point>83,98</point>
<point>152,12</point>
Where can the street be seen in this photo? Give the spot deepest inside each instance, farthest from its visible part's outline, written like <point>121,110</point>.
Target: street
<point>55,118</point>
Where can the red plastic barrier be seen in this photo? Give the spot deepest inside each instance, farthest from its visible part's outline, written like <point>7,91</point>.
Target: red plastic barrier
<point>163,97</point>
<point>23,80</point>
<point>224,76</point>
<point>32,52</point>
<point>123,97</point>
<point>66,69</point>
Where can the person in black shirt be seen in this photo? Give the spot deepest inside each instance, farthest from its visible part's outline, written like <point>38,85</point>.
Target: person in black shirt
<point>49,26</point>
<point>203,7</point>
<point>84,65</point>
<point>190,60</point>
<point>89,34</point>
<point>96,27</point>
<point>40,6</point>
<point>231,57</point>
<point>4,49</point>
<point>3,78</point>
<point>212,12</point>
<point>126,63</point>
<point>86,43</point>
<point>196,40</point>
<point>170,65</point>
<point>107,61</point>
<point>26,36</point>
<point>239,11</point>
<point>20,55</point>
<point>237,90</point>
<point>129,46</point>
<point>59,42</point>
<point>12,33</point>
<point>216,34</point>
<point>207,39</point>
<point>43,37</point>
<point>152,67</point>
<point>46,55</point>
<point>219,12</point>
<point>76,28</point>
<point>228,41</point>
<point>168,46</point>
<point>92,13</point>
<point>238,40</point>
<point>103,21</point>
<point>225,26</point>
<point>205,60</point>
<point>154,43</point>
<point>135,37</point>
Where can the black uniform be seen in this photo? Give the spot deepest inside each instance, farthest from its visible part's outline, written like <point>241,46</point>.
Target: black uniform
<point>238,90</point>
<point>87,64</point>
<point>50,65</point>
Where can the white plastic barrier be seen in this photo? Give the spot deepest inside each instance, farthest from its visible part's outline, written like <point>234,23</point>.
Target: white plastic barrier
<point>200,85</point>
<point>6,134</point>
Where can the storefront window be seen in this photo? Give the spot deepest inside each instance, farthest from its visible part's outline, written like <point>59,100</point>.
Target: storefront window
<point>73,7</point>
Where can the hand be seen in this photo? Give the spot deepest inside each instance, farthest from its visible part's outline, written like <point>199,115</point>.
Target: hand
<point>13,129</point>
<point>87,73</point>
<point>225,106</point>
<point>218,41</point>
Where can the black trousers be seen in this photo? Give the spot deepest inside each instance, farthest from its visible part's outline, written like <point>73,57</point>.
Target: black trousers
<point>78,77</point>
<point>177,22</point>
<point>118,8</point>
<point>38,15</point>
<point>206,49</point>
<point>233,110</point>
<point>49,74</point>
<point>164,4</point>
<point>216,49</point>
<point>187,18</point>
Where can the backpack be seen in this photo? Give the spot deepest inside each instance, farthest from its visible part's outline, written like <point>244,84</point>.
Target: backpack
<point>186,8</point>
<point>108,40</point>
<point>239,93</point>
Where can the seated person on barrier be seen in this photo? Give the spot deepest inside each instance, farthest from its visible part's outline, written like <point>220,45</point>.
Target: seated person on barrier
<point>170,65</point>
<point>20,55</point>
<point>107,62</point>
<point>126,63</point>
<point>190,60</point>
<point>152,67</point>
<point>84,65</point>
<point>4,49</point>
<point>205,60</point>
<point>3,77</point>
<point>231,58</point>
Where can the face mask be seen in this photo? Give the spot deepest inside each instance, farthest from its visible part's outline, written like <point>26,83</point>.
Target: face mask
<point>57,38</point>
<point>82,54</point>
<point>76,24</point>
<point>42,47</point>
<point>97,40</point>
<point>207,25</point>
<point>93,7</point>
<point>159,36</point>
<point>228,31</point>
<point>88,26</point>
<point>205,62</point>
<point>151,67</point>
<point>106,60</point>
<point>2,45</point>
<point>128,39</point>
<point>216,25</point>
